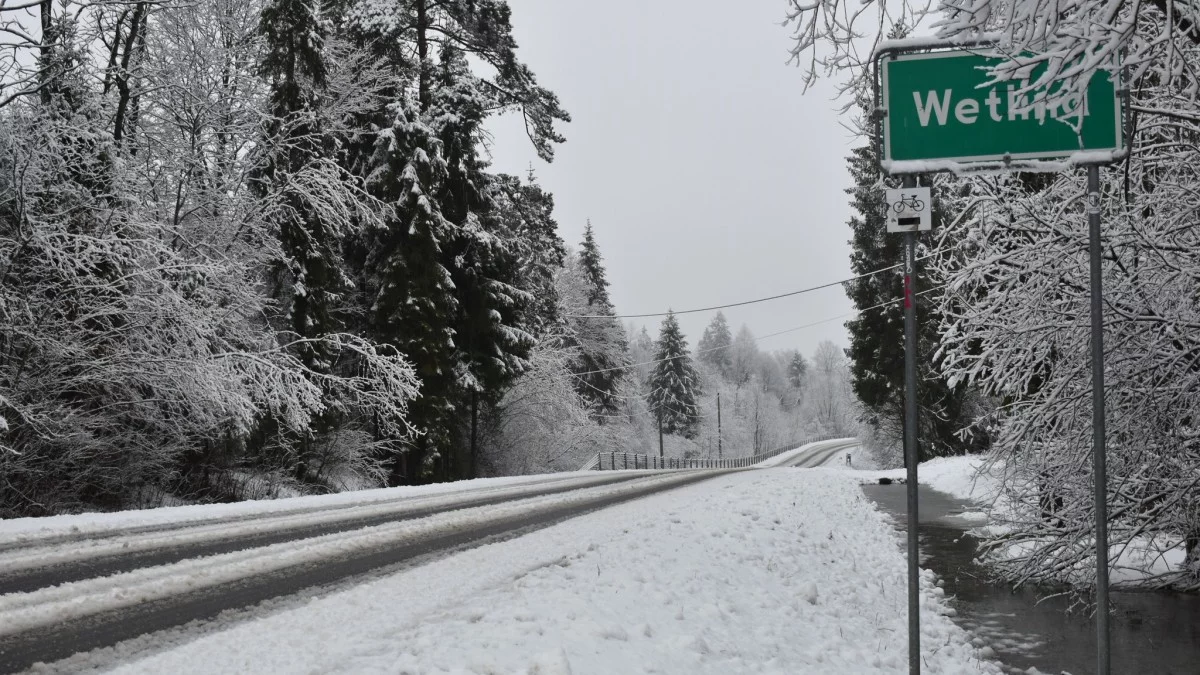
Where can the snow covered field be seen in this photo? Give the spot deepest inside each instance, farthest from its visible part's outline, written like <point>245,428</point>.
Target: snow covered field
<point>779,571</point>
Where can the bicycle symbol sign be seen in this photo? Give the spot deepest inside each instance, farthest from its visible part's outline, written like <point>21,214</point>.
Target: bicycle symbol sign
<point>908,210</point>
<point>910,202</point>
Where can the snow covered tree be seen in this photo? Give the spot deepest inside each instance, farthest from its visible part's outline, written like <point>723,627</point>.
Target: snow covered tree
<point>674,384</point>
<point>876,349</point>
<point>593,269</point>
<point>743,358</point>
<point>797,370</point>
<point>715,343</point>
<point>641,351</point>
<point>134,358</point>
<point>448,262</point>
<point>830,396</point>
<point>413,302</point>
<point>601,338</point>
<point>527,212</point>
<point>294,62</point>
<point>1016,275</point>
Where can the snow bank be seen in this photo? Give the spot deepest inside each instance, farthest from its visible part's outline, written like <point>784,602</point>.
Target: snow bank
<point>965,477</point>
<point>784,571</point>
<point>25,529</point>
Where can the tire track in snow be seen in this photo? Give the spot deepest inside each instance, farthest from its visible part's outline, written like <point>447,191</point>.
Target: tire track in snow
<point>91,555</point>
<point>82,616</point>
<point>820,456</point>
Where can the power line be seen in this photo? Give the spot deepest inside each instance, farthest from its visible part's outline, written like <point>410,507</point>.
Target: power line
<point>789,330</point>
<point>745,302</point>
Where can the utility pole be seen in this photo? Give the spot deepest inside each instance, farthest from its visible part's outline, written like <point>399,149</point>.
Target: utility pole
<point>718,425</point>
<point>660,443</point>
<point>474,434</point>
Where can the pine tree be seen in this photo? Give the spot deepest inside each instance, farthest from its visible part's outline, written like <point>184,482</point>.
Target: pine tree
<point>527,212</point>
<point>601,341</point>
<point>715,343</point>
<point>295,64</point>
<point>876,349</point>
<point>797,370</point>
<point>446,275</point>
<point>593,268</point>
<point>674,383</point>
<point>412,295</point>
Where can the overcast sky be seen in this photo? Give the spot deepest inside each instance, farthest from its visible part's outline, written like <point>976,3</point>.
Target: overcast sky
<point>707,174</point>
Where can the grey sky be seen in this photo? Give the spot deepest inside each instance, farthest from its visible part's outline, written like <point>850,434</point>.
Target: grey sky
<point>708,176</point>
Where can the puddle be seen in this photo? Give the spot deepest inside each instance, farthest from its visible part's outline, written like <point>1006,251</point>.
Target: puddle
<point>1150,632</point>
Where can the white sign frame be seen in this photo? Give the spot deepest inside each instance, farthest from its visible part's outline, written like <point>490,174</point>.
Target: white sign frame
<point>909,209</point>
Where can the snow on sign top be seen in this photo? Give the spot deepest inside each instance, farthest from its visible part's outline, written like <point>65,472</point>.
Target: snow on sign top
<point>942,106</point>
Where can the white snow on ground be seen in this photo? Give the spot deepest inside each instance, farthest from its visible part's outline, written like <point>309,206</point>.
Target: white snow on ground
<point>782,571</point>
<point>965,477</point>
<point>970,478</point>
<point>58,551</point>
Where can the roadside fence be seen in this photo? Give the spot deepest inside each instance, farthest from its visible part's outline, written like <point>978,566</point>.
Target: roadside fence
<point>612,461</point>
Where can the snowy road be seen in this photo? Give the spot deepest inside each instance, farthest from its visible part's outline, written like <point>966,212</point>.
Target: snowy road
<point>51,556</point>
<point>677,542</point>
<point>820,454</point>
<point>54,621</point>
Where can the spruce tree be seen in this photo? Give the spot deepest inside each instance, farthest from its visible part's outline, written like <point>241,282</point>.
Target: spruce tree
<point>294,62</point>
<point>797,370</point>
<point>593,269</point>
<point>445,276</point>
<point>715,343</point>
<point>527,212</point>
<point>483,257</point>
<point>413,303</point>
<point>601,341</point>
<point>674,383</point>
<point>876,349</point>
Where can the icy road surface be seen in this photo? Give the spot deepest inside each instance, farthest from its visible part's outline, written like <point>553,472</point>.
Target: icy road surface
<point>761,571</point>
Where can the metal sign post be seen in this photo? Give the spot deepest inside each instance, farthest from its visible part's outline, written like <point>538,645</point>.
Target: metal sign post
<point>911,456</point>
<point>1099,451</point>
<point>937,109</point>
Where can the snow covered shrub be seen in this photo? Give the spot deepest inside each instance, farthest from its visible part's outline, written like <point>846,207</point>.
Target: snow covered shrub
<point>132,303</point>
<point>1016,324</point>
<point>1015,308</point>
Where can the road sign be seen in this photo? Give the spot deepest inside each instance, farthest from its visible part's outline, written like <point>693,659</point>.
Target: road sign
<point>940,107</point>
<point>909,210</point>
<point>939,113</point>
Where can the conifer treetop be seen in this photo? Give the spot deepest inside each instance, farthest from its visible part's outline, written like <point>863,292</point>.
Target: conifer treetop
<point>593,269</point>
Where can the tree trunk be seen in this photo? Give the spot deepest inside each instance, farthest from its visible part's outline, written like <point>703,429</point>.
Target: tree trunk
<point>423,94</point>
<point>474,434</point>
<point>136,25</point>
<point>660,435</point>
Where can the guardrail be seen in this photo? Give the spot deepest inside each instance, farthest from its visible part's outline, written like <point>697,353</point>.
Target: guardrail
<point>611,461</point>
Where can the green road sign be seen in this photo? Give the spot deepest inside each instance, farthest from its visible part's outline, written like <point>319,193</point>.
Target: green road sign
<point>939,107</point>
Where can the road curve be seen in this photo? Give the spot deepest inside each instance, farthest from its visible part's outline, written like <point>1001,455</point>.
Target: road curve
<point>821,453</point>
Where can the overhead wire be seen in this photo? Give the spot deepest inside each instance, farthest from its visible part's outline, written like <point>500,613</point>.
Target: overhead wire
<point>763,337</point>
<point>748,302</point>
<point>654,409</point>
